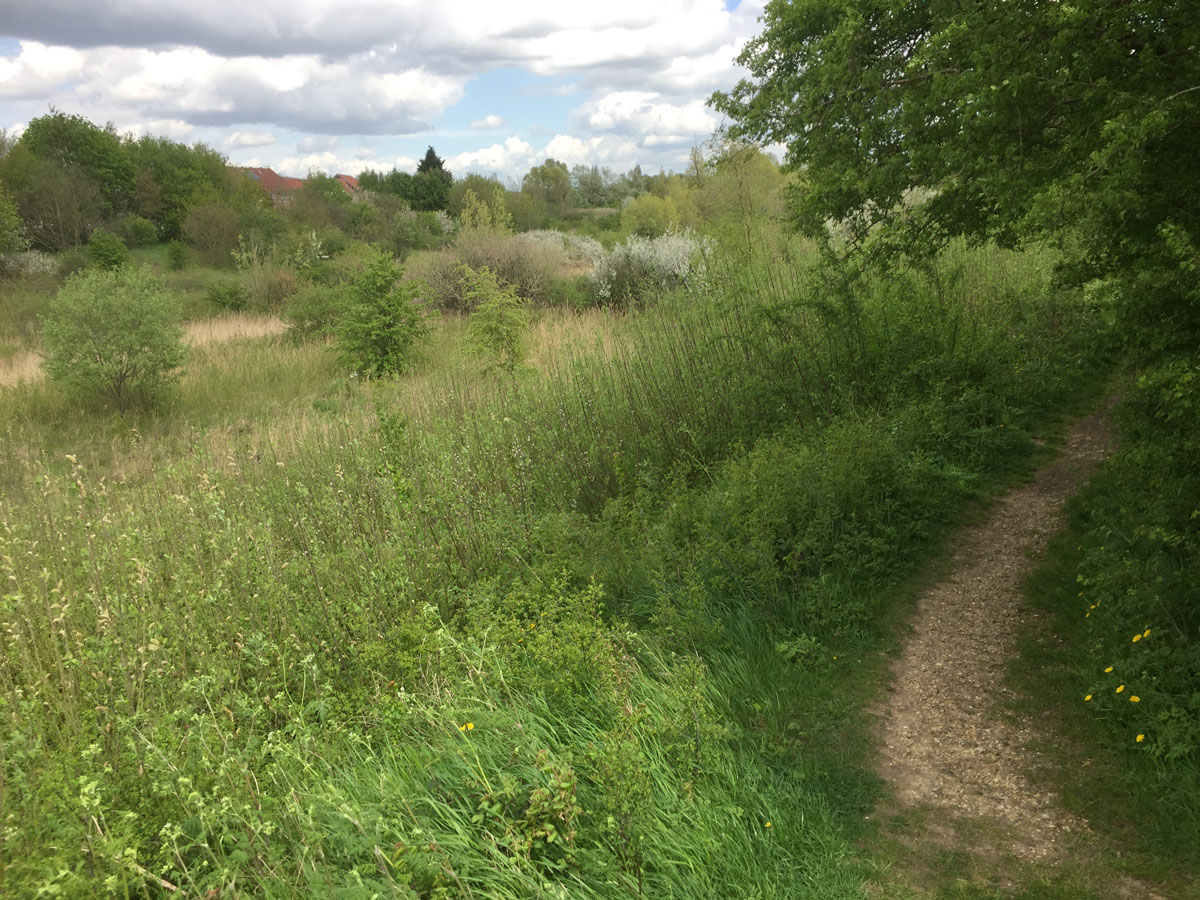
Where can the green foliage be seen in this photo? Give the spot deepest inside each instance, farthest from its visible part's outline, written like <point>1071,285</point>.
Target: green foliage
<point>138,231</point>
<point>1011,123</point>
<point>106,250</point>
<point>12,229</point>
<point>76,144</point>
<point>529,268</point>
<point>212,230</point>
<point>177,256</point>
<point>498,321</point>
<point>112,333</point>
<point>517,640</point>
<point>311,314</point>
<point>229,294</point>
<point>173,177</point>
<point>382,320</point>
<point>550,185</point>
<point>649,216</point>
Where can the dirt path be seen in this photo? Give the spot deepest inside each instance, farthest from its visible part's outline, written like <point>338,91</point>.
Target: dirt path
<point>947,748</point>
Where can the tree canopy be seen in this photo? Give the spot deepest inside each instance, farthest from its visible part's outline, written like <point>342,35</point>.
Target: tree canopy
<point>1000,121</point>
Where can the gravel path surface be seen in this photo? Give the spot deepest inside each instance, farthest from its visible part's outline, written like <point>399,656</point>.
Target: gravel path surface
<point>944,743</point>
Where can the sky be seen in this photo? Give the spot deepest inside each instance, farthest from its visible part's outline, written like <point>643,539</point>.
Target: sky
<point>298,85</point>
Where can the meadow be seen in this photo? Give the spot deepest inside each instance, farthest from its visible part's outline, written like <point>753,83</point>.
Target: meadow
<point>604,626</point>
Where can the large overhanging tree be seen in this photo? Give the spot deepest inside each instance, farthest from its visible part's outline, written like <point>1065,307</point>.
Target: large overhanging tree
<point>1003,120</point>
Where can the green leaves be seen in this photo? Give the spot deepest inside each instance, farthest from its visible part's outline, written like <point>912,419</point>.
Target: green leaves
<point>112,333</point>
<point>382,320</point>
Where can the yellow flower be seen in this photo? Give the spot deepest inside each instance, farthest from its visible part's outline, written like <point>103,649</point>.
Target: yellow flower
<point>1087,698</point>
<point>470,726</point>
<point>1120,688</point>
<point>1109,669</point>
<point>1140,738</point>
<point>766,824</point>
<point>1146,633</point>
<point>462,727</point>
<point>1134,698</point>
<point>1136,638</point>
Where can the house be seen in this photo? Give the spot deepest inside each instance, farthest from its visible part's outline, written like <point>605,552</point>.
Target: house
<point>279,187</point>
<point>350,183</point>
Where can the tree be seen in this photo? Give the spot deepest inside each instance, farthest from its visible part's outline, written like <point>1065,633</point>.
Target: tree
<point>75,143</point>
<point>382,320</point>
<point>113,334</point>
<point>551,184</point>
<point>497,325</point>
<point>171,177</point>
<point>1003,121</point>
<point>12,229</point>
<point>431,185</point>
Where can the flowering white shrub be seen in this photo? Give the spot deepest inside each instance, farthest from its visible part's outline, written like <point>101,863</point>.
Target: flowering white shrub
<point>27,262</point>
<point>579,249</point>
<point>632,272</point>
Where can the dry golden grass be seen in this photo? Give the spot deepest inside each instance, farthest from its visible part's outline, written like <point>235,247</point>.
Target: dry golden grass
<point>232,325</point>
<point>22,366</point>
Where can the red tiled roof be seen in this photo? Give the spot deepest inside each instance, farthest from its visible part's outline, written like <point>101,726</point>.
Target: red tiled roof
<point>349,182</point>
<point>272,182</point>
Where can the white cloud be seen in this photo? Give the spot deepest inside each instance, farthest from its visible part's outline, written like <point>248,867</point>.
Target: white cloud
<point>609,150</point>
<point>317,143</point>
<point>241,139</point>
<point>492,121</point>
<point>641,112</point>
<point>514,155</point>
<point>331,163</point>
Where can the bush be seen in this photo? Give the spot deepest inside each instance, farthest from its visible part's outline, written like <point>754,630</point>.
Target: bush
<point>229,295</point>
<point>112,333</point>
<point>177,256</point>
<point>630,274</point>
<point>138,232</point>
<point>529,267</point>
<point>311,313</point>
<point>498,323</point>
<point>106,250</point>
<point>382,320</point>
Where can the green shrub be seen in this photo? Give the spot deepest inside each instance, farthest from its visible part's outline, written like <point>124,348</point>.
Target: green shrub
<point>138,231</point>
<point>230,295</point>
<point>577,292</point>
<point>112,333</point>
<point>498,323</point>
<point>311,313</point>
<point>382,320</point>
<point>177,256</point>
<point>528,267</point>
<point>106,250</point>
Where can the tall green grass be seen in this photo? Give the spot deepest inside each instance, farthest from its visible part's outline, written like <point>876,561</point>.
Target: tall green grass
<point>574,633</point>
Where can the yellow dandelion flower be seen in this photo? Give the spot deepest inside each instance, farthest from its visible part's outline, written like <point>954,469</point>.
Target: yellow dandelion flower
<point>1087,698</point>
<point>1146,633</point>
<point>1109,669</point>
<point>766,824</point>
<point>1120,688</point>
<point>462,727</point>
<point>1093,606</point>
<point>1136,638</point>
<point>1134,698</point>
<point>470,726</point>
<point>1140,738</point>
<point>1087,615</point>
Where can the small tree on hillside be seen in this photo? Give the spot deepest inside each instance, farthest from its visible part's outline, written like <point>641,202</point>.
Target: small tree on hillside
<point>498,323</point>
<point>113,334</point>
<point>382,320</point>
